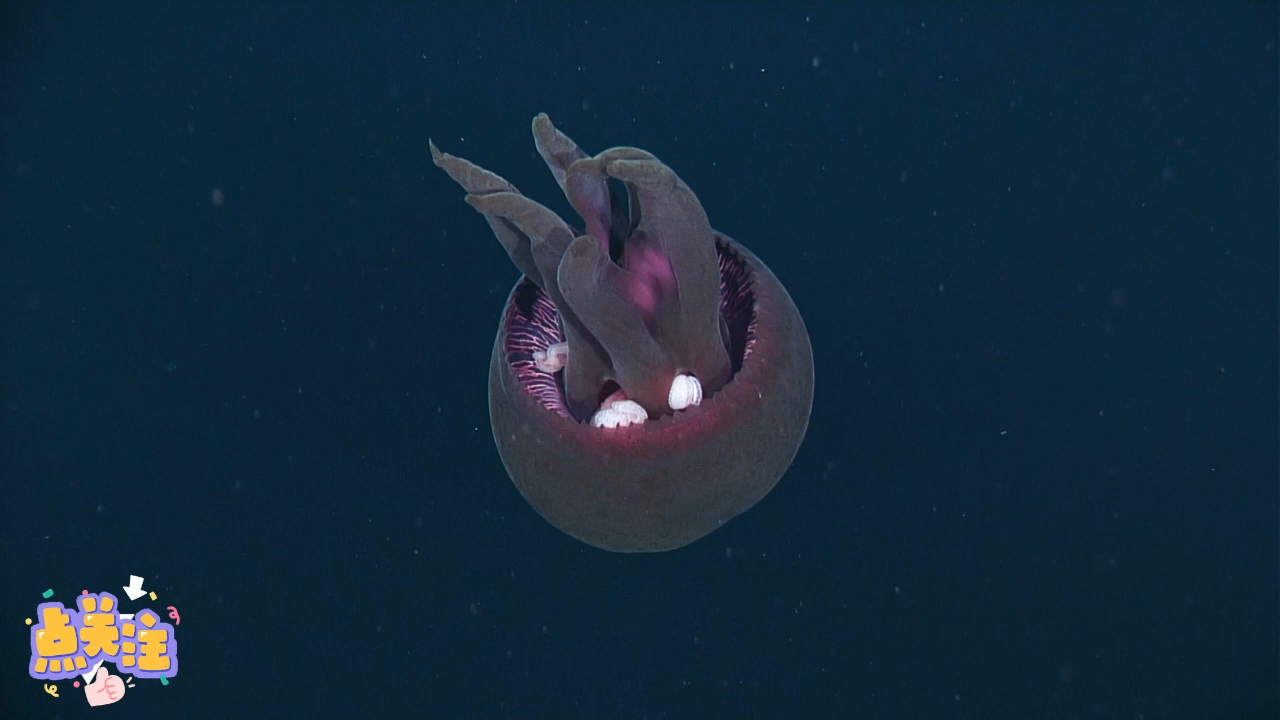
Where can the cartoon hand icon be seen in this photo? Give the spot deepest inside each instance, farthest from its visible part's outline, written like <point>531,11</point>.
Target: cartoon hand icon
<point>105,689</point>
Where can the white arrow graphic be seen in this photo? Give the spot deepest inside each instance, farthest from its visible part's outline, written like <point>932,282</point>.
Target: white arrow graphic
<point>134,588</point>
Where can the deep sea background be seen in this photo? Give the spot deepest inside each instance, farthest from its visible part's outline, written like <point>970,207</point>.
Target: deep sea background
<point>245,328</point>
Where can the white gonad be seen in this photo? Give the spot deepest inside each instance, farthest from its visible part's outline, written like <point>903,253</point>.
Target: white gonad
<point>685,392</point>
<point>554,359</point>
<point>619,413</point>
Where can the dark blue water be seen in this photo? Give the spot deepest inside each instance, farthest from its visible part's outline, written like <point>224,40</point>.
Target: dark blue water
<point>246,327</point>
